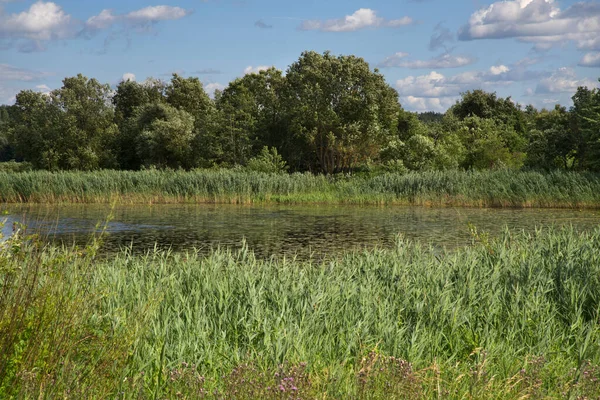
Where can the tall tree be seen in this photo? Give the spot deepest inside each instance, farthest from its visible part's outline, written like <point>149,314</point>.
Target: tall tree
<point>72,128</point>
<point>340,109</point>
<point>164,136</point>
<point>188,94</point>
<point>6,121</point>
<point>251,115</point>
<point>586,114</point>
<point>87,107</point>
<point>552,140</point>
<point>129,96</point>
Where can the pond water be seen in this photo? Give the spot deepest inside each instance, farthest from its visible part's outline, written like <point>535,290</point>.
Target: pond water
<point>278,230</point>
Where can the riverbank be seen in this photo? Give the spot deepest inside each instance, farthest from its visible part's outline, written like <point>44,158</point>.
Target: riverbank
<point>501,188</point>
<point>516,317</point>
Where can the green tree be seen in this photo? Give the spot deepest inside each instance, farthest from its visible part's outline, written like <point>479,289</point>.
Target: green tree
<point>188,94</point>
<point>485,141</point>
<point>341,111</point>
<point>72,128</point>
<point>251,115</point>
<point>479,103</point>
<point>129,96</point>
<point>164,136</point>
<point>90,119</point>
<point>422,146</point>
<point>586,114</point>
<point>552,143</point>
<point>6,121</point>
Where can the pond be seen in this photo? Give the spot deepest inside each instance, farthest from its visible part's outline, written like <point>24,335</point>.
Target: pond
<point>314,230</point>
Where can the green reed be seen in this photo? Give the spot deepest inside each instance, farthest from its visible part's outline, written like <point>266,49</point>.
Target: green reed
<point>512,317</point>
<point>502,188</point>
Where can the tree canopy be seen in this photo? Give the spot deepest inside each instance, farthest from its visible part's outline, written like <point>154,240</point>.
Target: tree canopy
<point>325,114</point>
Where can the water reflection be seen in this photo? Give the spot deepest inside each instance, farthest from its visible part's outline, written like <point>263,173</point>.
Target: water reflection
<point>279,230</point>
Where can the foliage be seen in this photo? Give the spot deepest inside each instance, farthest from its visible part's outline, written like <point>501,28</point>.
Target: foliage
<point>586,111</point>
<point>164,136</point>
<point>71,128</point>
<point>13,166</point>
<point>512,317</point>
<point>327,114</point>
<point>268,161</point>
<point>251,114</point>
<point>343,111</point>
<point>53,343</point>
<point>552,143</point>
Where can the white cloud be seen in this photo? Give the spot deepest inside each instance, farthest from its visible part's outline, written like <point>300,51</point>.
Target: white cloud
<point>360,19</point>
<point>590,60</point>
<point>254,70</point>
<point>44,89</point>
<point>439,62</point>
<point>104,20</point>
<point>540,22</point>
<point>157,13</point>
<point>46,21</point>
<point>41,22</point>
<point>550,101</point>
<point>563,81</point>
<point>211,87</point>
<point>143,16</point>
<point>128,76</point>
<point>435,91</point>
<point>499,69</point>
<point>427,104</point>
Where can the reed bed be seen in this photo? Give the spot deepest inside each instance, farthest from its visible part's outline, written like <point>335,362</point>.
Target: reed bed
<point>502,188</point>
<point>510,318</point>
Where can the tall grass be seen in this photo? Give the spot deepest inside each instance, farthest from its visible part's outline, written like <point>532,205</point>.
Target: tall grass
<point>453,188</point>
<point>515,317</point>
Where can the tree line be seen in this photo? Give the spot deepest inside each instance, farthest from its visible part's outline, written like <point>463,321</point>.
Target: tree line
<point>326,114</point>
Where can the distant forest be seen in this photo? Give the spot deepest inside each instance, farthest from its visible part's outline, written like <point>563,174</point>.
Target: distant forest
<point>326,114</point>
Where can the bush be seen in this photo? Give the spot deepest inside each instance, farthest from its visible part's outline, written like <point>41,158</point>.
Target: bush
<point>13,166</point>
<point>268,161</point>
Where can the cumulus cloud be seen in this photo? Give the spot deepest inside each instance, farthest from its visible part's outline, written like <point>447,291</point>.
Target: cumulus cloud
<point>436,91</point>
<point>45,89</point>
<point>43,21</point>
<point>254,70</point>
<point>46,21</point>
<point>421,104</point>
<point>541,22</point>
<point>141,17</point>
<point>564,80</point>
<point>360,19</point>
<point>128,76</point>
<point>499,69</point>
<point>210,88</point>
<point>590,60</point>
<point>439,62</point>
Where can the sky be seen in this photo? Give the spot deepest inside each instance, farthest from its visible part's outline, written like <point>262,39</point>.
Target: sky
<point>535,51</point>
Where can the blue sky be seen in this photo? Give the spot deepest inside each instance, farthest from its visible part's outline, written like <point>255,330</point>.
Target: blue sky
<point>537,51</point>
